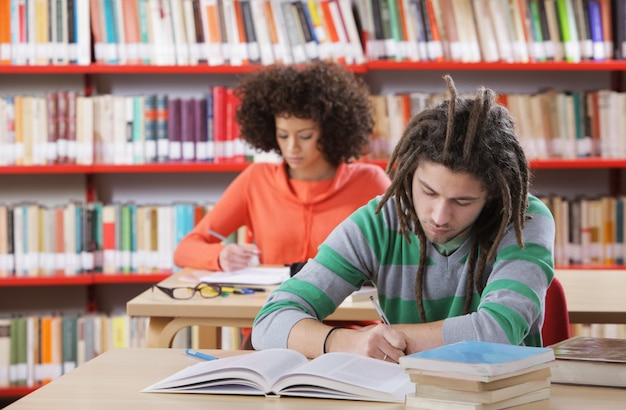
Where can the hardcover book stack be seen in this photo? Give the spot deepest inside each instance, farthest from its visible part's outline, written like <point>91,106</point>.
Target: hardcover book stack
<point>474,375</point>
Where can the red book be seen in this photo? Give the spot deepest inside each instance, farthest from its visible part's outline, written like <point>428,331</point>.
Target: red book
<point>109,243</point>
<point>219,122</point>
<point>236,146</point>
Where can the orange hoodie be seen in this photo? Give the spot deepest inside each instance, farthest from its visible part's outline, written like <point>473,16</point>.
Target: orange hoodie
<point>288,218</point>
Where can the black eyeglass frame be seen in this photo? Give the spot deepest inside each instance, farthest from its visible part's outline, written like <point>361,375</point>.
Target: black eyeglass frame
<point>193,290</point>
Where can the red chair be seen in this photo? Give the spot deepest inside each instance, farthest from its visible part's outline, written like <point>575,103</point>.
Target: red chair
<point>556,322</point>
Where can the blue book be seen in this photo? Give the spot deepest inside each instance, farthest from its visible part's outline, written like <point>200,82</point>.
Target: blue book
<point>475,358</point>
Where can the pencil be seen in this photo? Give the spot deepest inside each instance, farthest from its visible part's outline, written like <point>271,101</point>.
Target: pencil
<point>229,241</point>
<point>220,236</point>
<point>380,311</point>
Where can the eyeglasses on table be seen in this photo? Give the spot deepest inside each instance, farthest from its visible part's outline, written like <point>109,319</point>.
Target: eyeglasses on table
<point>206,290</point>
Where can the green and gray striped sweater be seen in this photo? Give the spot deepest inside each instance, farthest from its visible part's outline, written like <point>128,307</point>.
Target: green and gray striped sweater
<point>367,246</point>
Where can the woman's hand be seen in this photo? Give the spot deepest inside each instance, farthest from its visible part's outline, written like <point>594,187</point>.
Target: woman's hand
<point>236,256</point>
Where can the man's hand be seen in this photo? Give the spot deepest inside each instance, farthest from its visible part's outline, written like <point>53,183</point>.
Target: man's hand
<point>377,341</point>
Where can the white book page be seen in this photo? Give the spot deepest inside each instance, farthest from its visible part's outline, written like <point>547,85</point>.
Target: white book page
<point>254,275</point>
<point>235,374</point>
<point>348,376</point>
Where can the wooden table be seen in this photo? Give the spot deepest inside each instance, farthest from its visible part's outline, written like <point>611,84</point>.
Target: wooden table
<point>594,295</point>
<point>114,379</point>
<point>168,316</point>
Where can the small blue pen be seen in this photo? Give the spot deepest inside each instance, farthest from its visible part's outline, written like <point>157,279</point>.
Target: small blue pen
<point>195,353</point>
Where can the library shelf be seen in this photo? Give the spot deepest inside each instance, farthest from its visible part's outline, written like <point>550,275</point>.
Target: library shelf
<point>188,167</point>
<point>84,279</point>
<point>143,69</point>
<point>17,391</point>
<point>609,65</point>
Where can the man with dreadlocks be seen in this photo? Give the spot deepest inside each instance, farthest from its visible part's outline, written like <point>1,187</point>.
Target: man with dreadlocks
<point>457,247</point>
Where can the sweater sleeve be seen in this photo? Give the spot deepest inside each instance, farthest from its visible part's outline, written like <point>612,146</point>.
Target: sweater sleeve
<point>199,249</point>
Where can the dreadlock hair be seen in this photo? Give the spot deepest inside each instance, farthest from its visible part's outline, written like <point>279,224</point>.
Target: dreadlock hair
<point>475,136</point>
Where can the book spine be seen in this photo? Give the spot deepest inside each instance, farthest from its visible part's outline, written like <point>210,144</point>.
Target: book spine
<point>595,29</point>
<point>174,129</point>
<point>187,131</point>
<point>200,128</point>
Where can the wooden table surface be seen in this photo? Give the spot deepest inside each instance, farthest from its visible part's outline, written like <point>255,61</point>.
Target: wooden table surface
<point>114,379</point>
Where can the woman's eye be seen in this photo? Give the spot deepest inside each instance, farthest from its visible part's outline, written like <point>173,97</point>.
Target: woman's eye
<point>282,136</point>
<point>306,137</point>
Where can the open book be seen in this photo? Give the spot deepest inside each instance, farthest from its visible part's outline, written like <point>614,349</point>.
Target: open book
<point>285,372</point>
<point>252,275</point>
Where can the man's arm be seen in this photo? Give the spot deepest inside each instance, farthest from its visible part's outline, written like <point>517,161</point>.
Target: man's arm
<point>312,338</point>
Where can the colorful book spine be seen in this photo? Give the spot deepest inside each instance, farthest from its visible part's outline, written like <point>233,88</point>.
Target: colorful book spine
<point>200,128</point>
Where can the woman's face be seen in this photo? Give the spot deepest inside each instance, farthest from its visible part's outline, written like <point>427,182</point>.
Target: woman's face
<point>298,141</point>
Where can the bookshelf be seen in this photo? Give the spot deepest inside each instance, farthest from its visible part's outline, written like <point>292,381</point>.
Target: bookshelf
<point>197,181</point>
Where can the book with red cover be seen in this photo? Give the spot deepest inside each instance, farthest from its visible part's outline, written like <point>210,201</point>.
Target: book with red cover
<point>219,122</point>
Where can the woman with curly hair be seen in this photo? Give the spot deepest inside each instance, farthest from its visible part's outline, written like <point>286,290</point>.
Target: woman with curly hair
<point>318,117</point>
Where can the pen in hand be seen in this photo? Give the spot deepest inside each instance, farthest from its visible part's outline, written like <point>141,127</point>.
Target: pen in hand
<point>380,311</point>
<point>225,239</point>
<point>199,355</point>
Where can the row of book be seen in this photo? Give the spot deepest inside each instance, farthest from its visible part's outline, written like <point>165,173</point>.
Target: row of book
<point>65,127</point>
<point>75,238</point>
<point>180,32</point>
<point>217,32</point>
<point>35,349</point>
<point>42,32</point>
<point>549,123</point>
<point>589,231</point>
<point>237,32</point>
<point>81,238</point>
<point>492,30</point>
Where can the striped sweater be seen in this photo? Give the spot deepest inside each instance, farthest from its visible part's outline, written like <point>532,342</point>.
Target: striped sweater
<point>367,246</point>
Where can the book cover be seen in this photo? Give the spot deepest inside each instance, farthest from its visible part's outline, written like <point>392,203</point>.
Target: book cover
<point>469,385</point>
<point>240,28</point>
<point>266,38</point>
<point>189,27</point>
<point>412,400</point>
<point>187,130</point>
<point>200,130</point>
<point>596,31</point>
<point>285,372</point>
<point>250,30</point>
<point>478,358</point>
<point>590,361</point>
<point>487,396</point>
<point>173,128</point>
<point>355,46</point>
<point>5,32</point>
<point>211,31</point>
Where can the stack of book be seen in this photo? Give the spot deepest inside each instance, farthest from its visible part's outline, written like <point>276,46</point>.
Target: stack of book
<point>479,375</point>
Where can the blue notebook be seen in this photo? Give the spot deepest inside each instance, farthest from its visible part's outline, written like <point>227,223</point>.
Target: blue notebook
<point>478,358</point>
